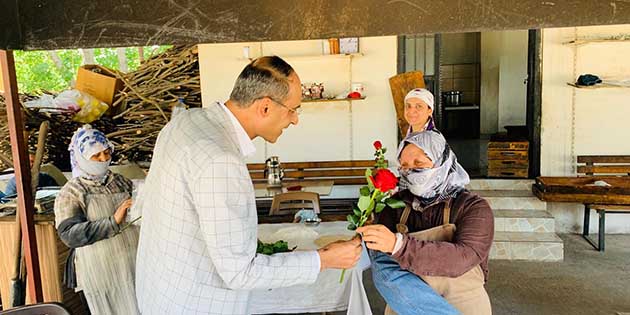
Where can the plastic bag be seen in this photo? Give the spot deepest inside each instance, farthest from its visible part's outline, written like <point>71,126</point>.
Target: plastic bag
<point>47,103</point>
<point>91,107</point>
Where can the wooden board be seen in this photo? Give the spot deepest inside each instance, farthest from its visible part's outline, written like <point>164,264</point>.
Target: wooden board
<point>507,164</point>
<point>508,145</point>
<point>508,173</point>
<point>508,155</point>
<point>581,190</point>
<point>400,85</point>
<point>604,169</point>
<point>603,159</point>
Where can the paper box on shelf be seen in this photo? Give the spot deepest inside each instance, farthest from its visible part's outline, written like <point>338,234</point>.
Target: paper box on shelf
<point>99,82</point>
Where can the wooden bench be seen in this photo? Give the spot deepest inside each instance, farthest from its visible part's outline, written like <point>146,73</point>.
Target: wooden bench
<point>612,169</point>
<point>341,172</point>
<point>602,165</point>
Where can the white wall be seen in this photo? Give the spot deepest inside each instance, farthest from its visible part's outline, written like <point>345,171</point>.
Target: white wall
<point>327,131</point>
<point>579,121</point>
<point>503,71</point>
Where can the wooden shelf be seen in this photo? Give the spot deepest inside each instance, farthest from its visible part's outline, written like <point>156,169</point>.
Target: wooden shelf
<point>461,107</point>
<point>306,57</point>
<point>589,41</point>
<point>597,86</point>
<point>330,100</point>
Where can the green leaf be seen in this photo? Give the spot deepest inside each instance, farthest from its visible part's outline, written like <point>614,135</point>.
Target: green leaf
<point>356,211</point>
<point>379,207</point>
<point>365,191</point>
<point>384,150</point>
<point>353,219</point>
<point>364,202</point>
<point>351,226</point>
<point>395,203</point>
<point>368,172</point>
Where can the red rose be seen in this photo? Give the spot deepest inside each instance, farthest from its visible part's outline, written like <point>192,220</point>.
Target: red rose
<point>384,180</point>
<point>377,145</point>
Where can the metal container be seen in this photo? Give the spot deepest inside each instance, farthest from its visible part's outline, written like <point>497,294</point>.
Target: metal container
<point>452,98</point>
<point>273,172</point>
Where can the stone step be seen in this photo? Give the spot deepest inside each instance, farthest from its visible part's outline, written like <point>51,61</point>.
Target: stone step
<point>527,246</point>
<point>500,184</point>
<point>512,199</point>
<point>538,221</point>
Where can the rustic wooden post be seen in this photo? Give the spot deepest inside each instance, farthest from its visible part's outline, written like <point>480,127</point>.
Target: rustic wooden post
<point>21,167</point>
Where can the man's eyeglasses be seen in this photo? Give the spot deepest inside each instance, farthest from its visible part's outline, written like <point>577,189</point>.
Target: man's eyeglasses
<point>297,110</point>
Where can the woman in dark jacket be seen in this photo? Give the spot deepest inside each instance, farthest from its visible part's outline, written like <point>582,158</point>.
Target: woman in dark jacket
<point>442,269</point>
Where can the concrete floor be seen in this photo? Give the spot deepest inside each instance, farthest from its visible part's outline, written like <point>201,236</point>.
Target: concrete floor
<point>586,282</point>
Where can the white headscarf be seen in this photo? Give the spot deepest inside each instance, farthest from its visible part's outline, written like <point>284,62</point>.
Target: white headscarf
<point>84,144</point>
<point>445,179</point>
<point>422,94</point>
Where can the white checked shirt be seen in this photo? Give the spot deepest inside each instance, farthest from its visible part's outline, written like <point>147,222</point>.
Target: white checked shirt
<point>197,250</point>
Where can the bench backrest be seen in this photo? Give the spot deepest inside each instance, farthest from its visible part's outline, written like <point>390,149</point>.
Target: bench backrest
<point>603,165</point>
<point>341,172</point>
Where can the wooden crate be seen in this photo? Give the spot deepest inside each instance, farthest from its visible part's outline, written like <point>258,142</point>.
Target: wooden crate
<point>508,159</point>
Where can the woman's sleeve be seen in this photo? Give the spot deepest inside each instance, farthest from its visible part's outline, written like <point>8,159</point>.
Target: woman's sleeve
<point>73,227</point>
<point>471,245</point>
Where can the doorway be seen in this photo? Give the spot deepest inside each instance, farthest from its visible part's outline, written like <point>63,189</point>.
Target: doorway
<point>496,78</point>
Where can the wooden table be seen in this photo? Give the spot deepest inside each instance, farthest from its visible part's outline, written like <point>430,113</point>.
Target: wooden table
<point>326,294</point>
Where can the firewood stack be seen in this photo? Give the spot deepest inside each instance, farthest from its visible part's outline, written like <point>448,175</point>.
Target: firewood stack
<point>148,97</point>
<point>144,106</point>
<point>60,133</point>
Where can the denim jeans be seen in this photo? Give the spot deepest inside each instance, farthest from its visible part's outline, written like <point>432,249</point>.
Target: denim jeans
<point>405,292</point>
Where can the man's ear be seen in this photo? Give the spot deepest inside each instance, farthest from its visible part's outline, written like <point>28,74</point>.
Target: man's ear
<point>263,107</point>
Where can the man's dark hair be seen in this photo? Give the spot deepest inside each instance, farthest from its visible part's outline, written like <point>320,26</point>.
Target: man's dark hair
<point>263,77</point>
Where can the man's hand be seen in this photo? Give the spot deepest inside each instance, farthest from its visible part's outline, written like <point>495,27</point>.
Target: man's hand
<point>121,212</point>
<point>341,254</point>
<point>378,237</point>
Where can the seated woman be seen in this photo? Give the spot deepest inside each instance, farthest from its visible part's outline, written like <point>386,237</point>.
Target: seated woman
<point>90,213</point>
<point>432,256</point>
<point>419,104</point>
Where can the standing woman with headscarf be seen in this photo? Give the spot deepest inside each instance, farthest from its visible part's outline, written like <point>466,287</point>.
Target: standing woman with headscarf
<point>419,105</point>
<point>90,213</point>
<point>432,256</point>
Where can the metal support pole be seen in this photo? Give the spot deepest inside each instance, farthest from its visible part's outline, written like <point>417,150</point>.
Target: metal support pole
<point>21,167</point>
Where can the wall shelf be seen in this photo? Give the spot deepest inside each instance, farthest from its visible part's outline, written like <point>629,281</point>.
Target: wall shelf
<point>330,100</point>
<point>306,57</point>
<point>580,42</point>
<point>598,86</point>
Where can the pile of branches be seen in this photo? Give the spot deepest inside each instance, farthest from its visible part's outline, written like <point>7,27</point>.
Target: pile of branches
<point>60,131</point>
<point>148,97</point>
<point>143,107</point>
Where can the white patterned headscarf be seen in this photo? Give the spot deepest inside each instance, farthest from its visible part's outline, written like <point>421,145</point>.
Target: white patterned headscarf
<point>447,178</point>
<point>84,144</point>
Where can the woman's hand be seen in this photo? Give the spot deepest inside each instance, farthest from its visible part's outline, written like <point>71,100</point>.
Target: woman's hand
<point>378,237</point>
<point>121,212</point>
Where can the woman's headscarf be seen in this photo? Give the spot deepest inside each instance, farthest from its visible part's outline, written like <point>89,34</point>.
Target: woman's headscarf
<point>84,144</point>
<point>447,178</point>
<point>427,97</point>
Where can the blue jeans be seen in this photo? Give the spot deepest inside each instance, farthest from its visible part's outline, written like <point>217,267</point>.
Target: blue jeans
<point>405,292</point>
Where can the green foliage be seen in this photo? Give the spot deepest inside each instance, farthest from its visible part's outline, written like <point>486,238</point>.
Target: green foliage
<point>272,248</point>
<point>36,70</point>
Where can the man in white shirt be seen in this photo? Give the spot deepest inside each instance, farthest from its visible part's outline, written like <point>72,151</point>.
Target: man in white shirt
<point>197,249</point>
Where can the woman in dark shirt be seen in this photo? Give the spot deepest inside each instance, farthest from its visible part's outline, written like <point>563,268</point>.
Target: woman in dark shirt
<point>417,275</point>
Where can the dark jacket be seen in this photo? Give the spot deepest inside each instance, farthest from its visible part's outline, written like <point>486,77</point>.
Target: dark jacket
<point>471,245</point>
